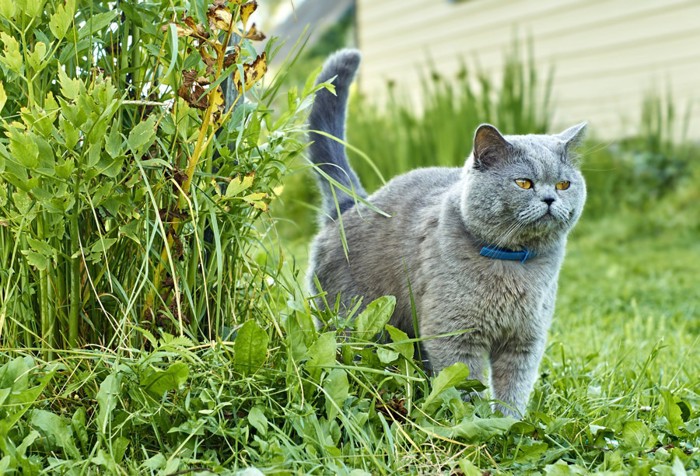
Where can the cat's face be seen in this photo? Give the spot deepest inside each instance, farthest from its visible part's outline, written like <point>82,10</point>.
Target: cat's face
<point>523,191</point>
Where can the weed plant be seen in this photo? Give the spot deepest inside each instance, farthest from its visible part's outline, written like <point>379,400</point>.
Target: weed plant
<point>128,186</point>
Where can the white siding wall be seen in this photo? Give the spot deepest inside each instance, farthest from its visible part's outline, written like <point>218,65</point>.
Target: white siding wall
<point>607,54</point>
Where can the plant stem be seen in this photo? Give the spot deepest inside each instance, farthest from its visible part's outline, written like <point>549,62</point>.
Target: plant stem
<point>45,315</point>
<point>75,301</point>
<point>203,140</point>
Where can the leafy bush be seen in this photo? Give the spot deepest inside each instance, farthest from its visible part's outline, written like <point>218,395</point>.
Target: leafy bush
<point>128,185</point>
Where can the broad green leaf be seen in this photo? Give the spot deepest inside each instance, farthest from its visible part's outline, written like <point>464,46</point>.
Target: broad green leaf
<point>142,136</point>
<point>448,377</point>
<point>254,197</point>
<point>374,317</point>
<point>250,348</point>
<point>93,155</point>
<point>78,424</point>
<point>7,9</point>
<point>96,23</point>
<point>70,133</point>
<point>131,230</point>
<point>23,397</point>
<point>65,170</point>
<point>32,8</point>
<point>468,468</point>
<point>47,159</point>
<point>476,429</point>
<point>102,245</point>
<point>387,356</point>
<point>678,468</point>
<point>562,468</point>
<point>11,55</point>
<point>37,260</point>
<point>113,146</point>
<point>118,447</point>
<point>258,420</point>
<point>36,57</point>
<point>322,354</point>
<point>107,401</point>
<point>400,342</point>
<point>337,389</point>
<point>24,148</point>
<point>238,184</point>
<point>15,373</point>
<point>155,462</point>
<point>107,462</point>
<point>4,393</point>
<point>41,246</point>
<point>301,333</point>
<point>670,413</point>
<point>157,381</point>
<point>637,436</point>
<point>62,19</point>
<point>155,164</point>
<point>26,443</point>
<point>70,88</point>
<point>57,429</point>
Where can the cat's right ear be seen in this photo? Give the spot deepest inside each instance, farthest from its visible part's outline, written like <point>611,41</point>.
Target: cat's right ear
<point>489,146</point>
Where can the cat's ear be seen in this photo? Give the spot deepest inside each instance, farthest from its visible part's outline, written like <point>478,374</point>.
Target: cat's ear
<point>489,146</point>
<point>573,136</point>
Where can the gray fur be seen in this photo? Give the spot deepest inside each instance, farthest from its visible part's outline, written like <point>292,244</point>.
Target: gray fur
<point>328,115</point>
<point>439,219</point>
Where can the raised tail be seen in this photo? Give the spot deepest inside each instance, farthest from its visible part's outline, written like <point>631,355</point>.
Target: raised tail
<point>328,115</point>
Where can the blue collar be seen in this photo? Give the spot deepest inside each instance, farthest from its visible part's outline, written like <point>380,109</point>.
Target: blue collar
<point>494,252</point>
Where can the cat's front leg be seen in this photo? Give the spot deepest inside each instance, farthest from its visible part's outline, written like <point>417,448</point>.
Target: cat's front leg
<point>445,351</point>
<point>513,374</point>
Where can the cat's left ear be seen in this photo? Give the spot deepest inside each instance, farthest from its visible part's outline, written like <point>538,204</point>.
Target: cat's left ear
<point>490,147</point>
<point>573,136</point>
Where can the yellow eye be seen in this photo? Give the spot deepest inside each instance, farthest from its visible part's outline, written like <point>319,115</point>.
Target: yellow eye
<point>524,183</point>
<point>563,185</point>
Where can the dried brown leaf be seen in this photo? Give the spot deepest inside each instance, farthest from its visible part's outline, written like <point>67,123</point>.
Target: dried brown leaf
<point>232,57</point>
<point>192,90</point>
<point>247,10</point>
<point>254,34</point>
<point>252,73</point>
<point>220,17</point>
<point>193,28</point>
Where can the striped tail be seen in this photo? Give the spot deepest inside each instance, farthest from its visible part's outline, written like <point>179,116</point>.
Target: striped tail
<point>328,115</point>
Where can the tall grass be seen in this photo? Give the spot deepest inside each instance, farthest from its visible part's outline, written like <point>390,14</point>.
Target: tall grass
<point>402,134</point>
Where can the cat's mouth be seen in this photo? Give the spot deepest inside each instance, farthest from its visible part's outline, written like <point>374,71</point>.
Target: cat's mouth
<point>536,217</point>
<point>545,222</point>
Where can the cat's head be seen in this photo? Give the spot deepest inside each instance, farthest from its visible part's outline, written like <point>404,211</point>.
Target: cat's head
<point>523,191</point>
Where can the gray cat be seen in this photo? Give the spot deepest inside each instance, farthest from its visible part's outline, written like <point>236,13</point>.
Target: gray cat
<point>477,249</point>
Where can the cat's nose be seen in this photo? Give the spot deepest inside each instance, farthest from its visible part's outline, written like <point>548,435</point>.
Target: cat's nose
<point>548,201</point>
